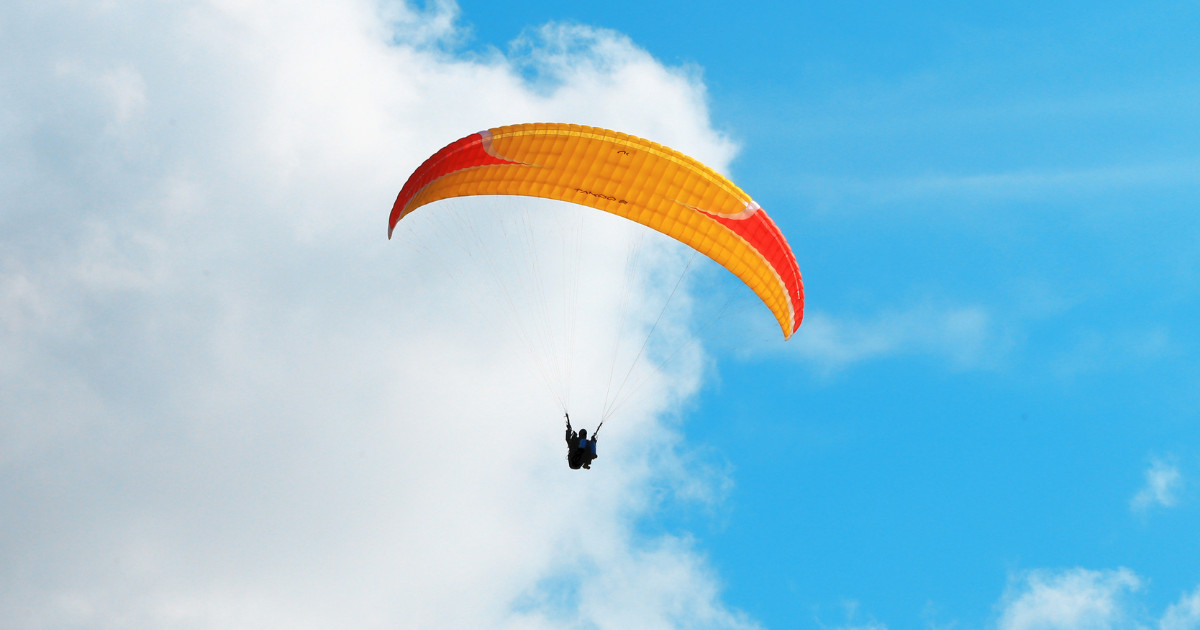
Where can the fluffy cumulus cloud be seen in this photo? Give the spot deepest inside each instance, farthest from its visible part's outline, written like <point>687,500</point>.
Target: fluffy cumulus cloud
<point>1063,599</point>
<point>1070,599</point>
<point>229,402</point>
<point>1084,599</point>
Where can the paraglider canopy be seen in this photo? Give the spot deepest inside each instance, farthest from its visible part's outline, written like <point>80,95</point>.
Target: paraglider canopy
<point>627,176</point>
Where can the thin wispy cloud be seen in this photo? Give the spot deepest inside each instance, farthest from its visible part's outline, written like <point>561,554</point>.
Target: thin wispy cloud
<point>1162,488</point>
<point>1039,184</point>
<point>855,619</point>
<point>1091,351</point>
<point>1183,614</point>
<point>966,337</point>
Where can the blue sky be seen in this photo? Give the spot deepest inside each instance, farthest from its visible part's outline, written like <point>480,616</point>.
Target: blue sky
<point>227,400</point>
<point>1035,165</point>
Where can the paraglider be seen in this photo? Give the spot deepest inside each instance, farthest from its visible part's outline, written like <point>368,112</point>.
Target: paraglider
<point>627,176</point>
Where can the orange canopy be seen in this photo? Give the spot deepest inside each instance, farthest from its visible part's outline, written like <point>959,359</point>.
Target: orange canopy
<point>634,178</point>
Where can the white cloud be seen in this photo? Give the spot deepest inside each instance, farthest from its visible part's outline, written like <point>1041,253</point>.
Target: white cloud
<point>1083,599</point>
<point>1163,484</point>
<point>967,336</point>
<point>1071,599</point>
<point>854,620</point>
<point>972,189</point>
<point>225,402</point>
<point>1184,614</point>
<point>1093,351</point>
<point>1067,599</point>
<point>1038,184</point>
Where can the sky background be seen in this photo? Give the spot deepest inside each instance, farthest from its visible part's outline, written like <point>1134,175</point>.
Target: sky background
<point>228,401</point>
